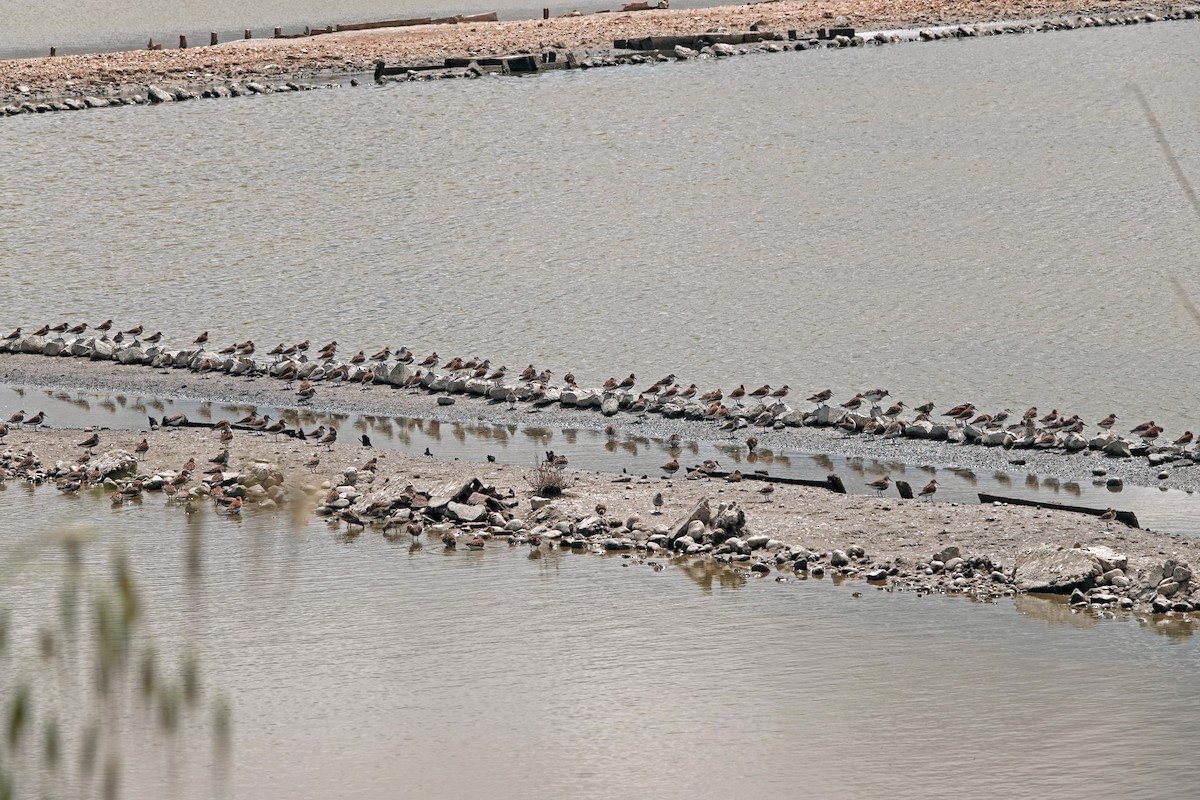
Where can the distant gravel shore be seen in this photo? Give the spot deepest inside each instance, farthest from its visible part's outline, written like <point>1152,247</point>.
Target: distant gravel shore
<point>356,51</point>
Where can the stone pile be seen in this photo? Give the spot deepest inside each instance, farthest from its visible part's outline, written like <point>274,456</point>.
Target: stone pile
<point>765,412</point>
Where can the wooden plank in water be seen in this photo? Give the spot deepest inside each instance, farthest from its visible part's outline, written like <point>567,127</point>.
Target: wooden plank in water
<point>390,23</point>
<point>1127,517</point>
<point>488,17</point>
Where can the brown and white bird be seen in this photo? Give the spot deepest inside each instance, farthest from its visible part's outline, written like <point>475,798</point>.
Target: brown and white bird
<point>1107,422</point>
<point>91,441</point>
<point>929,490</point>
<point>882,484</point>
<point>767,491</point>
<point>201,339</point>
<point>671,466</point>
<point>142,448</point>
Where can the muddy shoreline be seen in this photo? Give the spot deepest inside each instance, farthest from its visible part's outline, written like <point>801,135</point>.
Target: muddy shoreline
<point>104,79</point>
<point>984,551</point>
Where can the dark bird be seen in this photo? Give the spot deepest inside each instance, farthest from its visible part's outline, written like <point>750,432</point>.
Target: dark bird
<point>91,441</point>
<point>427,453</point>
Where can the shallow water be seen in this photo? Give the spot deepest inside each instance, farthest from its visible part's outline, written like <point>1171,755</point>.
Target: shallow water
<point>521,440</point>
<point>987,220</point>
<point>360,668</point>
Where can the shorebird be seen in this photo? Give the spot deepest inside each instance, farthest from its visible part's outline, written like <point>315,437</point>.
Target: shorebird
<point>767,491</point>
<point>601,509</point>
<point>658,503</point>
<point>1145,426</point>
<point>1049,418</point>
<point>823,396</point>
<point>220,458</point>
<point>91,441</point>
<point>628,382</point>
<point>761,391</point>
<point>17,418</point>
<point>960,409</point>
<point>154,338</point>
<point>671,466</point>
<point>739,392</point>
<point>925,408</point>
<point>1183,441</point>
<point>751,442</point>
<point>1107,422</point>
<point>136,331</point>
<point>105,327</point>
<point>329,438</point>
<point>476,543</point>
<point>14,335</point>
<point>781,391</point>
<point>528,373</point>
<point>735,476</point>
<point>449,541</point>
<point>313,462</point>
<point>929,490</point>
<point>36,420</point>
<point>78,329</point>
<point>875,395</point>
<point>1108,516</point>
<point>714,396</point>
<point>42,331</point>
<point>1151,433</point>
<point>382,355</point>
<point>853,404</point>
<point>689,392</point>
<point>142,448</point>
<point>61,327</point>
<point>201,339</point>
<point>430,361</point>
<point>895,410</point>
<point>882,484</point>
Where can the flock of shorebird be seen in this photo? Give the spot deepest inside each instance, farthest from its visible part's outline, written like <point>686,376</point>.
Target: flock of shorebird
<point>859,414</point>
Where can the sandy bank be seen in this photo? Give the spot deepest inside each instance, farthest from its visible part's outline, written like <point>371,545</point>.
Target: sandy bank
<point>794,531</point>
<point>354,52</point>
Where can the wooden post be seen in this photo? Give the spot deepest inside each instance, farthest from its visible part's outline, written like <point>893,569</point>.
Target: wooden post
<point>212,38</point>
<point>835,484</point>
<point>278,32</point>
<point>53,52</point>
<point>182,42</point>
<point>904,489</point>
<point>248,34</point>
<point>545,13</point>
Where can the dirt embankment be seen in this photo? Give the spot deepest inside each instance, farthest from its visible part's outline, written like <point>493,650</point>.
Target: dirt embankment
<point>356,51</point>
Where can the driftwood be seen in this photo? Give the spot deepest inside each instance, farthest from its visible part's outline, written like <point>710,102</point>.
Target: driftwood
<point>407,23</point>
<point>1127,517</point>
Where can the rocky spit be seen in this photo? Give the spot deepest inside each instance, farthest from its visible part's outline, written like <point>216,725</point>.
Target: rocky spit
<point>246,466</point>
<point>986,552</point>
<point>456,390</point>
<point>257,66</point>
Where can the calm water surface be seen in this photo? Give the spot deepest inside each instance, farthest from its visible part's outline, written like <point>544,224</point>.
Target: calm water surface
<point>988,221</point>
<point>361,668</point>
